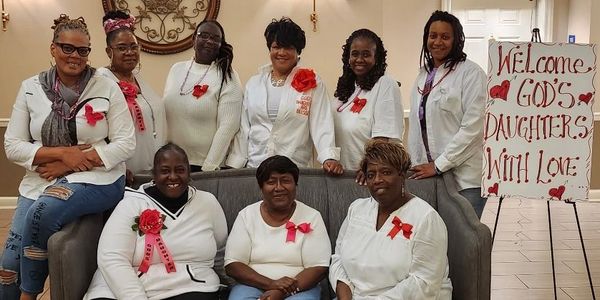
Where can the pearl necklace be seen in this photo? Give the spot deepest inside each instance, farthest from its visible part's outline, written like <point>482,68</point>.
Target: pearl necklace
<point>189,90</point>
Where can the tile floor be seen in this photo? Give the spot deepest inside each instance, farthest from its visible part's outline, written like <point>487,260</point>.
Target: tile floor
<point>521,260</point>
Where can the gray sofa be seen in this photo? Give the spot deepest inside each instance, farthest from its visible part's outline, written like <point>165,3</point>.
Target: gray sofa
<point>72,251</point>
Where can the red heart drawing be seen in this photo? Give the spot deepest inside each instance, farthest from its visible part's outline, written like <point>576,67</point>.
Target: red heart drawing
<point>585,97</point>
<point>557,192</point>
<point>500,91</point>
<point>493,189</point>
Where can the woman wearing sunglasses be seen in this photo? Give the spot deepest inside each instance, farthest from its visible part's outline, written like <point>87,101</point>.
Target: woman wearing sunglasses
<point>145,106</point>
<point>71,130</point>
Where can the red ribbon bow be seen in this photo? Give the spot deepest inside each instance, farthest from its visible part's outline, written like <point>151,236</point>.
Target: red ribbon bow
<point>150,223</point>
<point>200,90</point>
<point>358,104</point>
<point>291,230</point>
<point>399,226</point>
<point>91,116</point>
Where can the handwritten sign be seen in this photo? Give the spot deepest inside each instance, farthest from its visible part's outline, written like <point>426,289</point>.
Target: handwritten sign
<point>539,120</point>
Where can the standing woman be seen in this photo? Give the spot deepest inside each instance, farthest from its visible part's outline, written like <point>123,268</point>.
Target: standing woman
<point>203,99</point>
<point>145,106</point>
<point>447,108</point>
<point>71,130</point>
<point>286,108</point>
<point>368,103</point>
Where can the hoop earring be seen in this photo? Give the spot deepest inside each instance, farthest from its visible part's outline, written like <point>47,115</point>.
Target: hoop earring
<point>52,61</point>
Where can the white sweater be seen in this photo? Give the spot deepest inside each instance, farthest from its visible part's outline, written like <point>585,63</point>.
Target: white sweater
<point>23,137</point>
<point>195,236</point>
<point>205,126</point>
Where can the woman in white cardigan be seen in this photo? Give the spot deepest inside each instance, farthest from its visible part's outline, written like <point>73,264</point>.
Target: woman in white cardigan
<point>203,99</point>
<point>286,108</point>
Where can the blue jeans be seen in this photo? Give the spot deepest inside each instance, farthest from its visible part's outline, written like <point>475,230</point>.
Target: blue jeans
<point>245,292</point>
<point>474,197</point>
<point>25,254</point>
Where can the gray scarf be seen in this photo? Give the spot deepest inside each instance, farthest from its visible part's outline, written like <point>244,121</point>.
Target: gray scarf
<point>55,130</point>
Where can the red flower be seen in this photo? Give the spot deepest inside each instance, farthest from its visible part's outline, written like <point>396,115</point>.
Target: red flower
<point>129,90</point>
<point>91,116</point>
<point>149,221</point>
<point>200,90</point>
<point>304,80</point>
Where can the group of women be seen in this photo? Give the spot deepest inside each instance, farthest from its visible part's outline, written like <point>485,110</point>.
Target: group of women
<point>81,134</point>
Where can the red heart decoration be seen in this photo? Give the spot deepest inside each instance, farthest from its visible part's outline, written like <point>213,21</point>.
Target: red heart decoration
<point>585,97</point>
<point>199,90</point>
<point>557,192</point>
<point>91,116</point>
<point>493,189</point>
<point>501,90</point>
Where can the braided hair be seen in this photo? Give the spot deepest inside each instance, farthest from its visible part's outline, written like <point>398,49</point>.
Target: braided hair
<point>457,54</point>
<point>345,85</point>
<point>64,23</point>
<point>225,55</point>
<point>115,15</point>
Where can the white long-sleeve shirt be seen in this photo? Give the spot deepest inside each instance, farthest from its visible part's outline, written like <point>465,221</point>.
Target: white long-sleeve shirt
<point>375,266</point>
<point>304,119</point>
<point>155,134</point>
<point>196,235</point>
<point>204,127</point>
<point>454,114</point>
<point>264,248</point>
<point>23,137</point>
<point>382,116</point>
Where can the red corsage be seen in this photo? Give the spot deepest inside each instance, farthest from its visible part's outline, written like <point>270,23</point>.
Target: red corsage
<point>358,104</point>
<point>130,92</point>
<point>91,116</point>
<point>292,228</point>
<point>399,226</point>
<point>304,80</point>
<point>150,223</point>
<point>200,90</point>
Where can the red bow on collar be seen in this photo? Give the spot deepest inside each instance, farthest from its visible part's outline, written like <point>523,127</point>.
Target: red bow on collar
<point>200,90</point>
<point>358,104</point>
<point>291,230</point>
<point>91,116</point>
<point>399,226</point>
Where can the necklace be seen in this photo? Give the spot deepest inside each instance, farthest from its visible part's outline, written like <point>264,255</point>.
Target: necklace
<point>277,82</point>
<point>189,90</point>
<point>426,91</point>
<point>353,97</point>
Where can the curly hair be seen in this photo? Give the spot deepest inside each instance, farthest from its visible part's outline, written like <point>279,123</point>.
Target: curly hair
<point>388,152</point>
<point>286,33</point>
<point>225,56</point>
<point>345,84</point>
<point>115,15</point>
<point>457,54</point>
<point>64,23</point>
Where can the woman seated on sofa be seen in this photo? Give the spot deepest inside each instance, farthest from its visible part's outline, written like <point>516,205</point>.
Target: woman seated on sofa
<point>393,244</point>
<point>278,248</point>
<point>165,214</point>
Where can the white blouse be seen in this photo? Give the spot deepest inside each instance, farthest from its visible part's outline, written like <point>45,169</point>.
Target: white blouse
<point>375,266</point>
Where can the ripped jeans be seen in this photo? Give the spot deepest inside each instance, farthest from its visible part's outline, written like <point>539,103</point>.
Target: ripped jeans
<point>25,257</point>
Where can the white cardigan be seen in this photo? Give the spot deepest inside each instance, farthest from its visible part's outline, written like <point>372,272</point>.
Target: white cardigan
<point>196,235</point>
<point>454,113</point>
<point>304,119</point>
<point>23,137</point>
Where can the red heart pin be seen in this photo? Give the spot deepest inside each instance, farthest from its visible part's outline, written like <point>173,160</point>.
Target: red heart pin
<point>493,189</point>
<point>585,97</point>
<point>501,90</point>
<point>199,90</point>
<point>557,192</point>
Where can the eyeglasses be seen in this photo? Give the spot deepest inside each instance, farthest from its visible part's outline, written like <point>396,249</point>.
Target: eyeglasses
<point>205,36</point>
<point>68,49</point>
<point>124,48</point>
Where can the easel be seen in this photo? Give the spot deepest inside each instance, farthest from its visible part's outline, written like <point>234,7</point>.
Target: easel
<point>535,37</point>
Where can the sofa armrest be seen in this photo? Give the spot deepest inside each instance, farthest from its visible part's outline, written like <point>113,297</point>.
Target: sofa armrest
<point>72,257</point>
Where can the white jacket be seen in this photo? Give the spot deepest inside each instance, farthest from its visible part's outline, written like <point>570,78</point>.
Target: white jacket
<point>454,114</point>
<point>301,117</point>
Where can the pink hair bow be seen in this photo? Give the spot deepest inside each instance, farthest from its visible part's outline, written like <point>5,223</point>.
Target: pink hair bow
<point>114,24</point>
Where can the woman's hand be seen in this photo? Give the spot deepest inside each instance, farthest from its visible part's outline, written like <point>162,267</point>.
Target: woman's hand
<point>423,171</point>
<point>333,167</point>
<point>53,170</point>
<point>361,179</point>
<point>75,159</point>
<point>129,177</point>
<point>284,284</point>
<point>342,291</point>
<point>94,158</point>
<point>272,295</point>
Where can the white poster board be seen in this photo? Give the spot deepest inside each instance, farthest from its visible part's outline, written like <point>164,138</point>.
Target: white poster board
<point>539,120</point>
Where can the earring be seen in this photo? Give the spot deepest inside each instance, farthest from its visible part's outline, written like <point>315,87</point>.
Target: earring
<point>138,68</point>
<point>52,61</point>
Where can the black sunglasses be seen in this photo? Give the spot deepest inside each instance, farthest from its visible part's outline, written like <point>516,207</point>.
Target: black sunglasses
<point>68,49</point>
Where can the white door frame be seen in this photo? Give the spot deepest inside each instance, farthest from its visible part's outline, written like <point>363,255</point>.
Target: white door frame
<point>544,20</point>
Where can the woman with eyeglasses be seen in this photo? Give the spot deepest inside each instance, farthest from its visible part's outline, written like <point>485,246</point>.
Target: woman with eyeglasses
<point>71,131</point>
<point>203,99</point>
<point>145,106</point>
